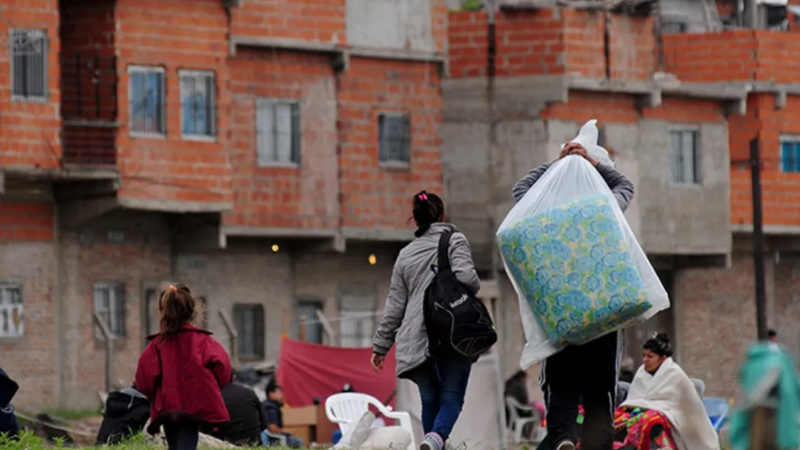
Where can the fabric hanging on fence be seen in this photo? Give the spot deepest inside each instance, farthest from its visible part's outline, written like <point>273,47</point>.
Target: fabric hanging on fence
<point>306,371</point>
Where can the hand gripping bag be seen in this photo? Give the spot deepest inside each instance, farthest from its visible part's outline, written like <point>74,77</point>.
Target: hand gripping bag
<point>574,260</point>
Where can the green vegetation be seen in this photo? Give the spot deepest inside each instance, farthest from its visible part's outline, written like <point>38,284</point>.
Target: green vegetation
<point>30,442</point>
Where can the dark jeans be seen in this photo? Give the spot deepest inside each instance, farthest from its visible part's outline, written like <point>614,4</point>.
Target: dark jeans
<point>442,386</point>
<point>182,436</point>
<point>585,373</point>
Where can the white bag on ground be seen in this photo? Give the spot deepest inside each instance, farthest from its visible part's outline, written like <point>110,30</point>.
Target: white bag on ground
<point>574,260</point>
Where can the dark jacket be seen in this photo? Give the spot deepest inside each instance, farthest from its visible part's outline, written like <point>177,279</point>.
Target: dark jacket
<point>126,414</point>
<point>620,186</point>
<point>8,421</point>
<point>183,378</point>
<point>247,418</point>
<point>273,412</point>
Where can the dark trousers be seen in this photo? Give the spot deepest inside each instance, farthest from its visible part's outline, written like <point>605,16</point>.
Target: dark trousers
<point>182,436</point>
<point>586,373</point>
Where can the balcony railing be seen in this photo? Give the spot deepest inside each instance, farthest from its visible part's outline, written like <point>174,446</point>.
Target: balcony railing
<point>89,109</point>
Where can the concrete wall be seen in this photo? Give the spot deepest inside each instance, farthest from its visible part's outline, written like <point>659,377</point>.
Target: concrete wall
<point>390,24</point>
<point>689,12</point>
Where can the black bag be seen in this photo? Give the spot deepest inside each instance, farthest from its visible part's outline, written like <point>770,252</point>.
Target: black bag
<point>458,323</point>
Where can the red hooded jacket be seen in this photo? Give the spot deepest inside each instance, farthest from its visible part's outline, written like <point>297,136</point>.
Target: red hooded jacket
<point>183,378</point>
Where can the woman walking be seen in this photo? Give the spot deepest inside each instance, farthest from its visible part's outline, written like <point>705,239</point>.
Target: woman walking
<point>442,382</point>
<point>182,372</point>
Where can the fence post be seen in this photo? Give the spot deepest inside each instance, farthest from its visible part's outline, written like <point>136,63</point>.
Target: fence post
<point>109,339</point>
<point>234,338</point>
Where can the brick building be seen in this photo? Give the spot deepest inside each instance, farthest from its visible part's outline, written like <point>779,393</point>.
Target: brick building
<point>263,152</point>
<point>677,110</point>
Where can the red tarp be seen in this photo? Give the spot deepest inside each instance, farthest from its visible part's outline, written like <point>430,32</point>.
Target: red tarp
<point>307,370</point>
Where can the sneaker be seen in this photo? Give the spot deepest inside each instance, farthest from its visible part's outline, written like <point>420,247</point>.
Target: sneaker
<point>566,445</point>
<point>432,441</point>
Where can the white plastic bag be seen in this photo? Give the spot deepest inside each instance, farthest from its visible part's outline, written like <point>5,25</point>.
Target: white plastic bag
<point>573,259</point>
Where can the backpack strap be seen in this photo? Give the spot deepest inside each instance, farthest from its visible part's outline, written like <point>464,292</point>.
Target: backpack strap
<point>444,247</point>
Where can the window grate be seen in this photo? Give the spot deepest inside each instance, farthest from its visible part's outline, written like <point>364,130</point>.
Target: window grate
<point>278,133</point>
<point>249,323</point>
<point>308,309</point>
<point>198,104</point>
<point>790,155</point>
<point>684,156</point>
<point>12,322</point>
<point>394,138</point>
<point>109,304</point>
<point>146,98</point>
<point>29,64</point>
<point>357,315</point>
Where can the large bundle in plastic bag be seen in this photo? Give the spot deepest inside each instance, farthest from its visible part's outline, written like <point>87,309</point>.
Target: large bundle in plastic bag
<point>573,259</point>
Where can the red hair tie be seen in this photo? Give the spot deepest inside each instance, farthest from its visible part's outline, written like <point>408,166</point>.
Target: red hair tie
<point>423,196</point>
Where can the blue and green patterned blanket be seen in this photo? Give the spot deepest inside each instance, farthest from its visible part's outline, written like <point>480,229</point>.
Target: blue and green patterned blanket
<point>573,266</point>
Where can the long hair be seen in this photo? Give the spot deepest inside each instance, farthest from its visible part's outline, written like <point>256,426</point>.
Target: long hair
<point>427,209</point>
<point>177,307</point>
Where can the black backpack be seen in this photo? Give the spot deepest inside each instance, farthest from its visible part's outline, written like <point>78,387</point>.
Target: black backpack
<point>457,322</point>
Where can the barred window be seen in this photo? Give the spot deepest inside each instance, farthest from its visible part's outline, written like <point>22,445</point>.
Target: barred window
<point>146,98</point>
<point>11,317</point>
<point>394,138</point>
<point>249,323</point>
<point>109,304</point>
<point>28,64</point>
<point>277,132</point>
<point>308,309</point>
<point>684,156</point>
<point>790,154</point>
<point>198,103</point>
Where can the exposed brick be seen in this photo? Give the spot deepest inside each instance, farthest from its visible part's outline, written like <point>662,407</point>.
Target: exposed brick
<point>308,20</point>
<point>30,131</point>
<point>26,221</point>
<point>374,196</point>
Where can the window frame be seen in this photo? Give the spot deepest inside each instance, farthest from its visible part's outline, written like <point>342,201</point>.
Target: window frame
<point>262,346</point>
<point>318,305</point>
<point>296,144</point>
<point>368,301</point>
<point>790,139</point>
<point>696,156</point>
<point>121,315</point>
<point>132,69</point>
<point>394,163</point>
<point>44,98</point>
<point>12,285</point>
<point>196,74</point>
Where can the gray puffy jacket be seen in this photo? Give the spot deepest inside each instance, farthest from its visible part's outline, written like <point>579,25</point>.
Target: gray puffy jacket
<point>403,322</point>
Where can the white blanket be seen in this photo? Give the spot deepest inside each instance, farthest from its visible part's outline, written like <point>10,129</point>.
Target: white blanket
<point>672,393</point>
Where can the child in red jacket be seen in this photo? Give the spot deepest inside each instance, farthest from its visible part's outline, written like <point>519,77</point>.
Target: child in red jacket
<point>182,372</point>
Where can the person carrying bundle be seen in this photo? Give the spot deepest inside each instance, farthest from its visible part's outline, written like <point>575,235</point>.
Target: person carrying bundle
<point>587,372</point>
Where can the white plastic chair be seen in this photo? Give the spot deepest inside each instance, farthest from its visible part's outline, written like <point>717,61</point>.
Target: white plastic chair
<point>346,409</point>
<point>517,424</point>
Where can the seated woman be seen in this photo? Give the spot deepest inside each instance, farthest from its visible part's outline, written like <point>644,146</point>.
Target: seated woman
<point>663,409</point>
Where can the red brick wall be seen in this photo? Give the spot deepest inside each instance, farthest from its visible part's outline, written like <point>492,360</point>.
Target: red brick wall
<point>173,168</point>
<point>374,196</point>
<point>30,131</point>
<point>26,221</point>
<point>606,108</point>
<point>777,59</point>
<point>309,20</point>
<point>439,24</point>
<point>467,34</point>
<point>781,196</point>
<point>712,56</point>
<point>302,197</point>
<point>531,43</point>
<point>632,43</point>
<point>584,43</point>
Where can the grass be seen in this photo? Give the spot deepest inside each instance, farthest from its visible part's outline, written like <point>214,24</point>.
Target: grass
<point>28,441</point>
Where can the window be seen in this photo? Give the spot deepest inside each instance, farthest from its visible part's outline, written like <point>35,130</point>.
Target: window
<point>684,156</point>
<point>357,321</point>
<point>29,65</point>
<point>790,155</point>
<point>109,304</point>
<point>249,323</point>
<point>308,310</point>
<point>394,138</point>
<point>146,98</point>
<point>671,26</point>
<point>277,133</point>
<point>11,319</point>
<point>198,104</point>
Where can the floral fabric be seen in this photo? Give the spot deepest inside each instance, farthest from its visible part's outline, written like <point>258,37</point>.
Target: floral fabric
<point>642,430</point>
<point>573,266</point>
